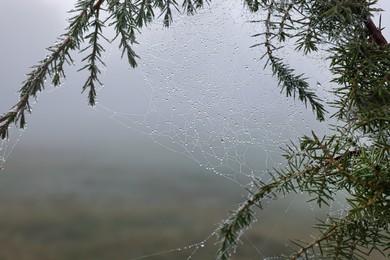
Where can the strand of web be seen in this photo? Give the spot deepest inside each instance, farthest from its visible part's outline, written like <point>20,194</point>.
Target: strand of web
<point>184,145</point>
<point>194,247</point>
<point>8,145</point>
<point>203,243</point>
<point>137,122</point>
<point>122,118</point>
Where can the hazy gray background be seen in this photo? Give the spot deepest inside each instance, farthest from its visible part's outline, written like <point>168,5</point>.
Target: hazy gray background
<point>75,167</point>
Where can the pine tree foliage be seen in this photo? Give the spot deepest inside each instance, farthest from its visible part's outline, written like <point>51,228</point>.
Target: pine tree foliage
<point>127,17</point>
<point>354,159</point>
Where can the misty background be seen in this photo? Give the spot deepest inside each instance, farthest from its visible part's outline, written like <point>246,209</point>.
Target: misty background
<point>118,181</point>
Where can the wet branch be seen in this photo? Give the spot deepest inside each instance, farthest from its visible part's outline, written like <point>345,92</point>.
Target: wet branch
<point>36,80</point>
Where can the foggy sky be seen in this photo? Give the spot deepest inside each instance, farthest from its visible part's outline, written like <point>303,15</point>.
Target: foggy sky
<point>62,117</point>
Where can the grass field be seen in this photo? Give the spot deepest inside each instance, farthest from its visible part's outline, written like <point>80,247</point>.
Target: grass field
<point>70,206</point>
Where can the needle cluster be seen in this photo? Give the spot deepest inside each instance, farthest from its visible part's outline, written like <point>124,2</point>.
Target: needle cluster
<point>356,158</point>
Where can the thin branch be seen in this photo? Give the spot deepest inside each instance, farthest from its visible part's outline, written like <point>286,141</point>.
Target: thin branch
<point>291,83</point>
<point>315,242</point>
<point>36,80</point>
<point>232,227</point>
<point>375,32</point>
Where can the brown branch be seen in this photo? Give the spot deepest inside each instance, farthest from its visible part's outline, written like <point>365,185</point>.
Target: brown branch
<point>376,33</point>
<point>335,163</point>
<point>312,244</point>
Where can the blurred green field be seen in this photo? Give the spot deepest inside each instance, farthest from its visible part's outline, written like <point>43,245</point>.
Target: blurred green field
<point>65,205</point>
<point>68,230</point>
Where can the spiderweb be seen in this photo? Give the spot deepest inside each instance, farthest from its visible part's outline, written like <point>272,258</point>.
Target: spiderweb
<point>201,92</point>
<point>203,95</point>
<point>6,147</point>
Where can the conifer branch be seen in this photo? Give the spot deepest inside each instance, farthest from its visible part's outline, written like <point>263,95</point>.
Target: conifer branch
<point>190,6</point>
<point>93,58</point>
<point>243,217</point>
<point>318,169</point>
<point>375,32</point>
<point>340,237</point>
<point>128,18</point>
<point>292,84</point>
<point>145,12</point>
<point>52,65</point>
<point>166,10</point>
<point>125,26</point>
<point>310,246</point>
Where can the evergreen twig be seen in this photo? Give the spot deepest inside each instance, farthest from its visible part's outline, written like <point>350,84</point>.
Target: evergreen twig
<point>128,17</point>
<point>359,57</point>
<point>52,65</point>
